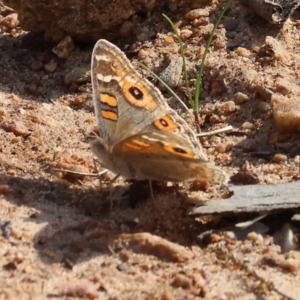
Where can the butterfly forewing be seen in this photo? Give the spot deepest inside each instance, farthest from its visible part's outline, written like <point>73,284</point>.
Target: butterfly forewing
<point>119,91</point>
<point>141,136</point>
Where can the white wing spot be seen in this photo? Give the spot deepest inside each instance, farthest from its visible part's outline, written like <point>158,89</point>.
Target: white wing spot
<point>146,137</point>
<point>101,57</point>
<point>108,78</point>
<point>161,135</point>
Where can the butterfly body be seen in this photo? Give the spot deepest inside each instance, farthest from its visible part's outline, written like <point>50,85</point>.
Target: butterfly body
<point>140,136</point>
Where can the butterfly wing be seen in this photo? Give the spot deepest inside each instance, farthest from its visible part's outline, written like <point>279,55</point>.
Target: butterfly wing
<point>164,156</point>
<point>124,101</point>
<point>141,136</point>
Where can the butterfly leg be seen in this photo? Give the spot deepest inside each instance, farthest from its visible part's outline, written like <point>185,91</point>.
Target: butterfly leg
<point>110,185</point>
<point>110,192</point>
<point>95,161</point>
<point>151,190</point>
<point>152,193</point>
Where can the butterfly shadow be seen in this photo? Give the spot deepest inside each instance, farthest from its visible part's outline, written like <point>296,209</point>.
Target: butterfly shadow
<point>79,227</point>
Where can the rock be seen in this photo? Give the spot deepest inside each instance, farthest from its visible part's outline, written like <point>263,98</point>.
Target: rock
<point>4,189</point>
<point>286,113</point>
<point>16,127</point>
<point>172,73</point>
<point>279,158</point>
<point>196,13</point>
<point>84,20</point>
<point>264,106</point>
<point>11,21</point>
<point>50,67</point>
<point>241,51</point>
<point>76,288</point>
<point>36,66</point>
<point>150,244</point>
<point>88,21</point>
<point>185,33</point>
<point>226,108</point>
<point>78,75</point>
<point>247,125</point>
<point>275,11</point>
<point>240,98</point>
<point>64,48</point>
<point>275,49</point>
<point>221,148</point>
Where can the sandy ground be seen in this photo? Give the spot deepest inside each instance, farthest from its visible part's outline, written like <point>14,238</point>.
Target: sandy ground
<point>59,238</point>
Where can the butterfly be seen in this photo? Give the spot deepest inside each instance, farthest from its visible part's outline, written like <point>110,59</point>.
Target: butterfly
<point>140,135</point>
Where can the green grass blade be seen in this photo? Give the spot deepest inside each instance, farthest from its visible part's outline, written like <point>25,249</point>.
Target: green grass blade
<point>185,73</point>
<point>201,70</point>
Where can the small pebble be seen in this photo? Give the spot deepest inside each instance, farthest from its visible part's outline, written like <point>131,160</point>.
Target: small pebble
<point>219,42</point>
<point>11,172</point>
<point>221,148</point>
<point>284,86</point>
<point>5,227</point>
<point>240,98</point>
<point>169,39</point>
<point>243,52</point>
<point>255,237</point>
<point>297,23</point>
<point>208,109</point>
<point>198,185</point>
<point>16,127</point>
<point>3,28</point>
<point>202,21</point>
<point>32,89</point>
<point>3,112</point>
<point>36,66</point>
<point>126,29</point>
<point>143,34</point>
<point>214,140</point>
<point>229,146</point>
<point>16,233</point>
<point>50,67</point>
<point>172,73</point>
<point>214,119</point>
<point>286,113</point>
<point>143,53</point>
<point>10,21</point>
<point>77,101</point>
<point>226,108</point>
<point>4,189</point>
<point>76,288</point>
<point>196,13</point>
<point>19,257</point>
<point>264,106</point>
<point>16,140</point>
<point>64,48</point>
<point>78,75</point>
<point>210,151</point>
<point>291,264</point>
<point>247,125</point>
<point>185,33</point>
<point>279,158</point>
<point>181,281</point>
